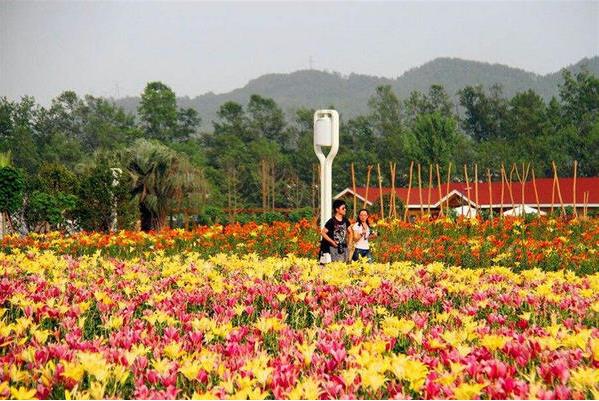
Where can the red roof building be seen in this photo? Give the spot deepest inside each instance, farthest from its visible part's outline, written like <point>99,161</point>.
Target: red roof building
<point>481,195</point>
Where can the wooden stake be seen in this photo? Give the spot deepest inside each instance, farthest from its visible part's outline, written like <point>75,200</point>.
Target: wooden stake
<point>523,182</point>
<point>534,185</point>
<point>502,189</point>
<point>476,188</point>
<point>574,189</point>
<point>552,194</point>
<point>430,187</point>
<point>510,186</point>
<point>394,191</point>
<point>467,188</point>
<point>420,191</point>
<point>447,186</point>
<point>380,179</point>
<point>367,185</point>
<point>405,214</point>
<point>490,194</point>
<point>559,191</point>
<point>353,183</point>
<point>392,209</point>
<point>440,193</point>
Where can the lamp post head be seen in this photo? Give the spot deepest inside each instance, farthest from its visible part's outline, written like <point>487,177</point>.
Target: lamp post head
<point>326,132</point>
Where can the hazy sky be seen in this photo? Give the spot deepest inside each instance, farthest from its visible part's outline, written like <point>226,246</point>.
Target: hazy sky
<point>115,48</point>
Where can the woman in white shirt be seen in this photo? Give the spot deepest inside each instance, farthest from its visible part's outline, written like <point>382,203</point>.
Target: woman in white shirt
<point>362,233</point>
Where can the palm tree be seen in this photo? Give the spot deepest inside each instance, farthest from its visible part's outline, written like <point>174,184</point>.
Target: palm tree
<point>161,177</point>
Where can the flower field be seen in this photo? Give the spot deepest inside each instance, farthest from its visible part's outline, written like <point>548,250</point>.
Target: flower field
<point>500,309</point>
<point>547,244</point>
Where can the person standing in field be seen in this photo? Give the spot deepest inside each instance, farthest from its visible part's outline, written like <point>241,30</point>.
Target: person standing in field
<point>361,235</point>
<point>335,235</point>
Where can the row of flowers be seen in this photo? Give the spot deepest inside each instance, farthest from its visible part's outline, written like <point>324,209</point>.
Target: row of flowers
<point>227,326</point>
<point>548,244</point>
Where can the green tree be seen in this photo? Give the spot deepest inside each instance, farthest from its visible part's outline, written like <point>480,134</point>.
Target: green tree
<point>18,132</point>
<point>266,119</point>
<point>580,99</point>
<point>188,121</point>
<point>233,121</point>
<point>436,139</point>
<point>106,126</point>
<point>160,177</point>
<point>385,111</point>
<point>12,184</point>
<point>158,112</point>
<point>526,116</point>
<point>580,117</point>
<point>437,101</point>
<point>100,193</point>
<point>47,211</point>
<point>485,114</point>
<point>391,138</point>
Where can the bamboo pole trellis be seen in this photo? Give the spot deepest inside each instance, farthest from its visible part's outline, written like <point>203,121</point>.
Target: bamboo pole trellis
<point>574,189</point>
<point>490,193</point>
<point>467,188</point>
<point>381,200</point>
<point>559,191</point>
<point>369,168</point>
<point>476,188</point>
<point>440,192</point>
<point>405,214</point>
<point>420,191</point>
<point>430,187</point>
<point>534,185</point>
<point>353,183</point>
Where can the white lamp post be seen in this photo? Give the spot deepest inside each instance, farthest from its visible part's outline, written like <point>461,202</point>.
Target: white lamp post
<point>326,133</point>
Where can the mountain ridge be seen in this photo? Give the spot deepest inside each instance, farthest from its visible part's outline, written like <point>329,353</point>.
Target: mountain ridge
<point>350,93</point>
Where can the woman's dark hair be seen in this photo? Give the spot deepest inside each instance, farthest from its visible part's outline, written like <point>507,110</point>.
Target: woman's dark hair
<point>360,221</point>
<point>337,203</point>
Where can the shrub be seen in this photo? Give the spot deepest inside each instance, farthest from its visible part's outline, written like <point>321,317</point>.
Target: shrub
<point>52,209</point>
<point>270,217</point>
<point>212,215</point>
<point>244,218</point>
<point>303,213</point>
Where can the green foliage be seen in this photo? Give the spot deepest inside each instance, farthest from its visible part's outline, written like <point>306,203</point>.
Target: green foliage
<point>12,185</point>
<point>158,111</point>
<point>484,112</point>
<point>299,214</point>
<point>212,215</point>
<point>223,168</point>
<point>271,217</point>
<point>244,218</point>
<point>100,191</point>
<point>50,208</point>
<point>435,139</point>
<point>54,178</point>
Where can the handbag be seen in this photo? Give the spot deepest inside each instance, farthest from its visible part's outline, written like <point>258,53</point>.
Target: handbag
<point>325,258</point>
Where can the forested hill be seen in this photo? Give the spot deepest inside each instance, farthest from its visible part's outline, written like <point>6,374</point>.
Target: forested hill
<point>350,94</point>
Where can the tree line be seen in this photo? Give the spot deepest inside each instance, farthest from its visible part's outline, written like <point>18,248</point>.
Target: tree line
<point>78,158</point>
